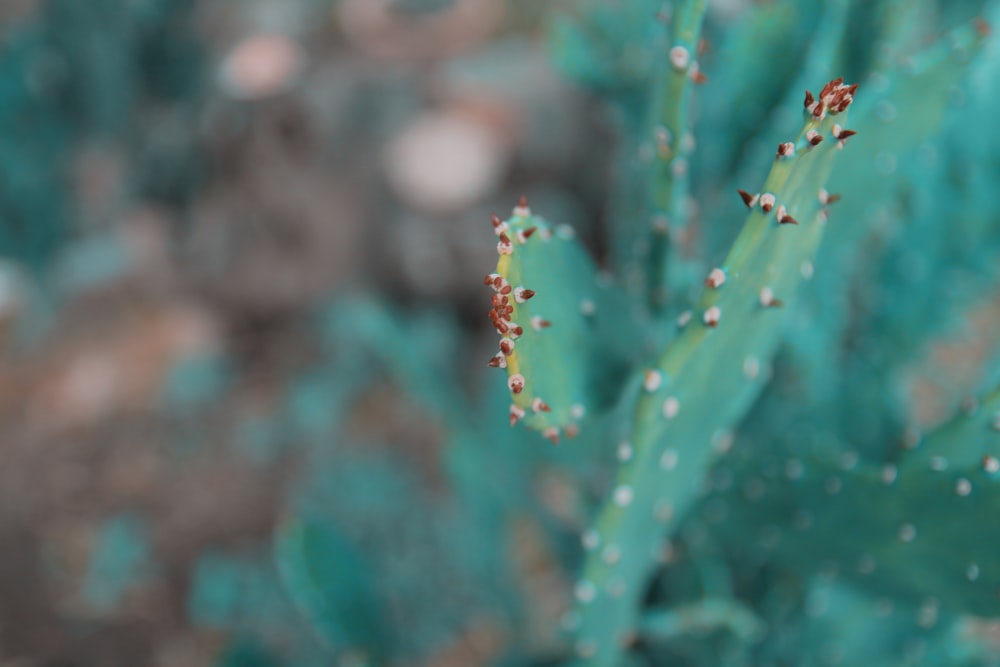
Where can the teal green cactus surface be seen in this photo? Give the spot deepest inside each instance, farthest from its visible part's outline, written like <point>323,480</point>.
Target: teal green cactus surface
<point>759,431</point>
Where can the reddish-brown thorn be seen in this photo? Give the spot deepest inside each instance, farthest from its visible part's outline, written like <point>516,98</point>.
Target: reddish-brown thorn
<point>829,87</point>
<point>699,78</point>
<point>516,413</point>
<point>747,198</point>
<point>528,232</point>
<point>832,199</point>
<point>495,219</point>
<point>809,100</point>
<point>506,289</point>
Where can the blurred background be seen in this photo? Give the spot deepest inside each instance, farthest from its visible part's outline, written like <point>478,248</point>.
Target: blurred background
<point>225,229</point>
<point>245,414</point>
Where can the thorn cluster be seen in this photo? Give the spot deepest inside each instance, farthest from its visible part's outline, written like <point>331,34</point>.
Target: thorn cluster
<point>834,98</point>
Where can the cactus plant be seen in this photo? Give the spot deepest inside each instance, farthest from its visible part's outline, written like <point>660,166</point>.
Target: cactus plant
<point>742,476</point>
<point>675,399</point>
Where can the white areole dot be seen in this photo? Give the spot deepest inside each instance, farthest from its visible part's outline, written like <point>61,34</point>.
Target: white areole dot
<point>623,496</point>
<point>670,407</point>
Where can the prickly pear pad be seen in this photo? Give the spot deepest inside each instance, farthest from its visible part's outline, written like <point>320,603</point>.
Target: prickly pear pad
<point>554,316</point>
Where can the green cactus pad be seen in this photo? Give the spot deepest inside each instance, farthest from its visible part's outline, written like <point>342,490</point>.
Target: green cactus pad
<point>554,315</point>
<point>890,528</point>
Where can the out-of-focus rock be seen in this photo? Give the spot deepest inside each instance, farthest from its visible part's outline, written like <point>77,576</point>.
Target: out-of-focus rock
<point>379,29</point>
<point>107,375</point>
<point>446,161</point>
<point>261,66</point>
